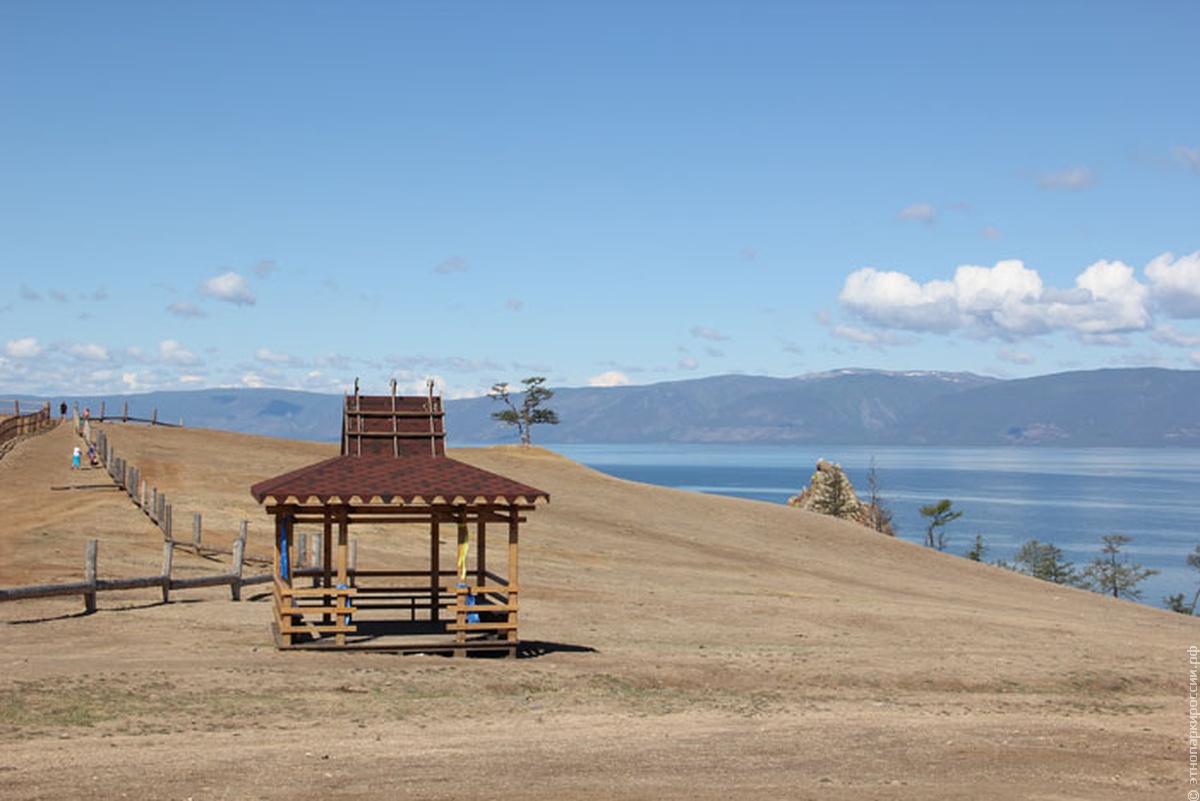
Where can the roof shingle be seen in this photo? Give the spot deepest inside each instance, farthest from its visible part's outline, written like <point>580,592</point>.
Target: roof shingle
<point>404,480</point>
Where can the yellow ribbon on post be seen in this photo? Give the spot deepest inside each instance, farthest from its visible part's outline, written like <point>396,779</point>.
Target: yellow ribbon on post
<point>464,545</point>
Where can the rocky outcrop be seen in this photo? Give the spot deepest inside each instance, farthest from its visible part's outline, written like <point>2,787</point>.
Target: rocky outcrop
<point>830,492</point>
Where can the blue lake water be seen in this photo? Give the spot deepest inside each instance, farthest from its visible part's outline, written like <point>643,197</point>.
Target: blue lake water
<point>1070,497</point>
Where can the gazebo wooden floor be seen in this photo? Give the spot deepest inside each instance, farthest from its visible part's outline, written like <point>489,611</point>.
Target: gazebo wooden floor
<point>402,637</point>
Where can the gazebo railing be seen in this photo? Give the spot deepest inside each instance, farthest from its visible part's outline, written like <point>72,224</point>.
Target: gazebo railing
<point>484,609</point>
<point>465,609</point>
<point>314,610</point>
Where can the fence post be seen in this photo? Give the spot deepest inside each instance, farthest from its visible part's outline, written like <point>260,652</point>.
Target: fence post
<point>239,553</point>
<point>196,531</point>
<point>168,557</point>
<point>168,529</point>
<point>89,575</point>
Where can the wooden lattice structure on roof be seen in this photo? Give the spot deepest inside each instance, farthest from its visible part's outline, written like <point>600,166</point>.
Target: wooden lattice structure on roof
<point>393,471</point>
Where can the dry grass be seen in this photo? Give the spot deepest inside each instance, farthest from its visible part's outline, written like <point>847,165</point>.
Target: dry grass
<point>691,646</point>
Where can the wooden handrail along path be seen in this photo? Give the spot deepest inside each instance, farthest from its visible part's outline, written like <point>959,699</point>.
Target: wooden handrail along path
<point>17,425</point>
<point>158,509</point>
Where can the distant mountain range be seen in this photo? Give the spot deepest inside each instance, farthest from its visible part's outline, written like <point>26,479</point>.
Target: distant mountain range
<point>1143,407</point>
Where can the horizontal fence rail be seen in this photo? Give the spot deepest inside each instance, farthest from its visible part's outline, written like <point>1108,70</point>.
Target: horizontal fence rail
<point>21,423</point>
<point>93,584</point>
<point>155,505</point>
<point>124,417</point>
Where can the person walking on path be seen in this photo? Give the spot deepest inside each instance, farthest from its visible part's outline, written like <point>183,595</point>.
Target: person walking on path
<point>76,455</point>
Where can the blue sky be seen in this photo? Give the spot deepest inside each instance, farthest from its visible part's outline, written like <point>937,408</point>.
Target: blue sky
<point>295,194</point>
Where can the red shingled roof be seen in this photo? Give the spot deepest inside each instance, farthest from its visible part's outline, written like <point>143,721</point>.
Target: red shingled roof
<point>407,480</point>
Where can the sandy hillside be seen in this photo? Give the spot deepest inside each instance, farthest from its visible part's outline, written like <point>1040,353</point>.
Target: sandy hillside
<point>688,647</point>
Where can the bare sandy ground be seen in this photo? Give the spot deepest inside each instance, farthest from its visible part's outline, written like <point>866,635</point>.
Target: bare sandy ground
<point>686,646</point>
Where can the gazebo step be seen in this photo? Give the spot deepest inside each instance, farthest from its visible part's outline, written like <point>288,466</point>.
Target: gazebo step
<point>481,626</point>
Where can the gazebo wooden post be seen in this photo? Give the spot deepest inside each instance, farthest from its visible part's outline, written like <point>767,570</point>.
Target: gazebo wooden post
<point>277,561</point>
<point>283,569</point>
<point>514,586</point>
<point>461,585</point>
<point>481,549</point>
<point>343,559</point>
<point>342,570</point>
<point>327,558</point>
<point>435,570</point>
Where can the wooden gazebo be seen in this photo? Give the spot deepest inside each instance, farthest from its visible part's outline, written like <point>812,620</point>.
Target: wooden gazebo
<point>393,470</point>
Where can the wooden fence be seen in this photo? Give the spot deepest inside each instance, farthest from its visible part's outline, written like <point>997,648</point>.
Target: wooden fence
<point>18,424</point>
<point>156,506</point>
<point>93,584</point>
<point>154,503</point>
<point>307,564</point>
<point>124,417</point>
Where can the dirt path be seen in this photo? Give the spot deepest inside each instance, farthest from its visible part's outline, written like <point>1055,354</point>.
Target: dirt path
<point>691,647</point>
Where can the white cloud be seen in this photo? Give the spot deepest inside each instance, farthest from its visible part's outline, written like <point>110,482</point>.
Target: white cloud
<point>264,355</point>
<point>451,265</point>
<point>1014,356</point>
<point>104,376</point>
<point>1175,284</point>
<point>89,351</point>
<point>1187,157</point>
<point>891,299</point>
<point>136,353</point>
<point>919,212</point>
<point>182,309</point>
<point>873,338</point>
<point>229,287</point>
<point>1167,335</point>
<point>334,361</point>
<point>688,363</point>
<point>704,332</point>
<point>1005,295</point>
<point>24,348</point>
<point>252,380</point>
<point>172,352</point>
<point>611,378</point>
<point>1119,300</point>
<point>1008,301</point>
<point>854,334</point>
<point>1072,179</point>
